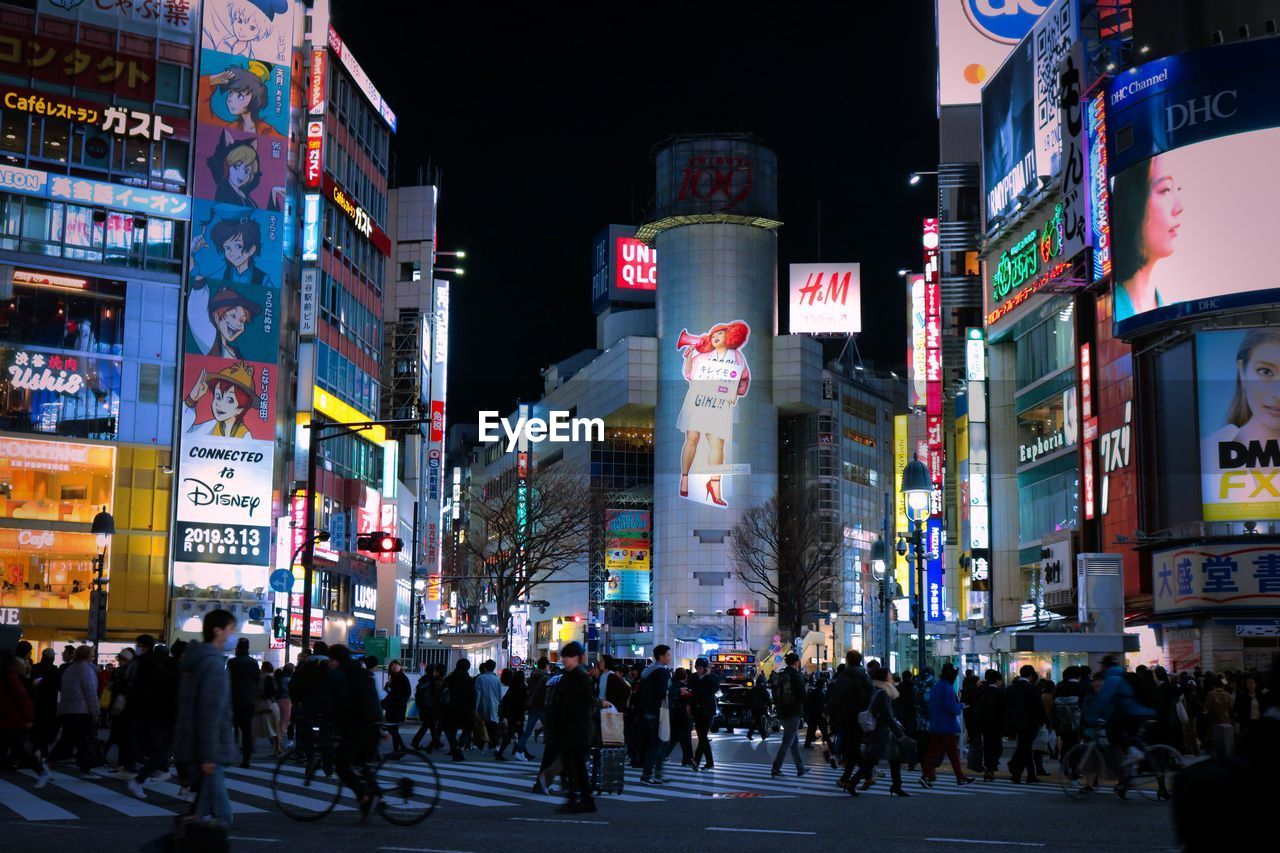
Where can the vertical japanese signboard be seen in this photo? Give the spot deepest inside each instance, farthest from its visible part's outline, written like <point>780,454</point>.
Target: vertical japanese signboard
<point>933,360</point>
<point>233,292</point>
<point>436,432</point>
<point>917,387</point>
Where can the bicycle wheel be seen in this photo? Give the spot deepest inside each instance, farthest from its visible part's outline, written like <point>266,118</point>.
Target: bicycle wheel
<point>408,787</point>
<point>302,790</point>
<point>1153,776</point>
<point>1082,770</point>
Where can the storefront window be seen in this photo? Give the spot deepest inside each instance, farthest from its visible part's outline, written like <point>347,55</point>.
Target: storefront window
<point>40,225</point>
<point>13,131</point>
<point>1047,427</point>
<point>57,140</point>
<point>86,315</point>
<point>54,481</point>
<point>1049,505</point>
<point>46,569</point>
<point>1046,349</point>
<point>59,393</point>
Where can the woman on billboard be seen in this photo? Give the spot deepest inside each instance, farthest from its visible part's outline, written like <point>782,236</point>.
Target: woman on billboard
<point>1146,205</point>
<point>717,373</point>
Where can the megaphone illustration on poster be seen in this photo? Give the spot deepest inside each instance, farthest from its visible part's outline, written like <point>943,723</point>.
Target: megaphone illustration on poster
<point>687,340</point>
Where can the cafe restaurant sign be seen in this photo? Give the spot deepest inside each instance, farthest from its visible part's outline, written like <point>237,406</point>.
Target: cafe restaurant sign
<point>38,372</point>
<point>1020,263</point>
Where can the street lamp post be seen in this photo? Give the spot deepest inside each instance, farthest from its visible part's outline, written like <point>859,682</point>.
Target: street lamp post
<point>104,527</point>
<point>916,488</point>
<point>880,573</point>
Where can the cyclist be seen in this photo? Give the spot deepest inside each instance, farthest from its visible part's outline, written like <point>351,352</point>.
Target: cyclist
<point>1116,706</point>
<point>353,707</point>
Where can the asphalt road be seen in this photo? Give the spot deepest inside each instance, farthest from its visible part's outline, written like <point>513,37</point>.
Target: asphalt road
<point>488,807</point>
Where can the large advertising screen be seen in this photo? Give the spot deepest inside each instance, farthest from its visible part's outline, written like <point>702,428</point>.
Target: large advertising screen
<point>1239,418</point>
<point>826,299</point>
<point>1191,144</point>
<point>974,37</point>
<point>1021,128</point>
<point>628,547</point>
<point>714,365</point>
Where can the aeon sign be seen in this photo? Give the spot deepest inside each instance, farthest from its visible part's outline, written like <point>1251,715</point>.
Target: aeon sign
<point>1004,21</point>
<point>720,178</point>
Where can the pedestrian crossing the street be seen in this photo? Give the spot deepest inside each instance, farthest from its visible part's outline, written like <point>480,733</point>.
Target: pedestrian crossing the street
<point>477,782</point>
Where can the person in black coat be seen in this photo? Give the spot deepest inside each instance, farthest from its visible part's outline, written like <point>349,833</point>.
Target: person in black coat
<point>705,685</point>
<point>815,702</point>
<point>1026,714</point>
<point>459,705</point>
<point>991,712</point>
<point>396,703</point>
<point>245,683</point>
<point>511,710</point>
<point>46,677</point>
<point>571,728</point>
<point>759,710</point>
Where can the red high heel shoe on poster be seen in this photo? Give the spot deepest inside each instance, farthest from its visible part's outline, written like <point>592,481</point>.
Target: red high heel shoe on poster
<point>684,485</point>
<point>713,493</point>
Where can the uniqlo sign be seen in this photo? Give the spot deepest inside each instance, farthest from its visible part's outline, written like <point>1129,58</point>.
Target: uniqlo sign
<point>314,154</point>
<point>636,265</point>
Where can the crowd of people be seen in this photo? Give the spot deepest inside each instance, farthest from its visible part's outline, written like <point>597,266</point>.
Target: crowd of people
<point>190,710</point>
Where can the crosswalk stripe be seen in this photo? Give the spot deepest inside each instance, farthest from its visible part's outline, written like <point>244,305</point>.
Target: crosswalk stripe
<point>169,789</point>
<point>446,796</point>
<point>528,781</point>
<point>252,790</point>
<point>29,806</point>
<point>105,796</point>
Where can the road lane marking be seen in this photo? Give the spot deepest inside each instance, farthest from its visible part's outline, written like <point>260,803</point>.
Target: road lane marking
<point>558,820</point>
<point>29,806</point>
<point>983,841</point>
<point>760,831</point>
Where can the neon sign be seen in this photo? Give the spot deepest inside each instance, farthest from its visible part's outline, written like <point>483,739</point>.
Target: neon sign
<point>1020,262</point>
<point>1099,193</point>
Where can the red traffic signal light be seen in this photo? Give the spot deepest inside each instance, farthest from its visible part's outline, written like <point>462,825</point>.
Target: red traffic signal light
<point>577,617</point>
<point>739,611</point>
<point>379,543</point>
<point>746,611</point>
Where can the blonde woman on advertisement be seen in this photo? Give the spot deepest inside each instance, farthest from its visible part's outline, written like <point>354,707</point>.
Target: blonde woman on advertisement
<point>717,373</point>
<point>1252,416</point>
<point>1146,208</point>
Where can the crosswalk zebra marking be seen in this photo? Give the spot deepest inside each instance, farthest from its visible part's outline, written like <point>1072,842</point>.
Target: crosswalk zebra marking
<point>27,805</point>
<point>105,796</point>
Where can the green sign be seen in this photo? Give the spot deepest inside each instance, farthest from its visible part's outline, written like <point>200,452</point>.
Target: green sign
<point>1020,262</point>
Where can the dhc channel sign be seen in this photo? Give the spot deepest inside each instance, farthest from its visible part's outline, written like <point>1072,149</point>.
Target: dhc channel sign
<point>1004,21</point>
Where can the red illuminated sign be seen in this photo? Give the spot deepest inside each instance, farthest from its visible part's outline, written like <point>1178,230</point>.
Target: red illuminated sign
<point>933,355</point>
<point>637,265</point>
<point>437,420</point>
<point>315,100</point>
<point>359,216</point>
<point>314,153</point>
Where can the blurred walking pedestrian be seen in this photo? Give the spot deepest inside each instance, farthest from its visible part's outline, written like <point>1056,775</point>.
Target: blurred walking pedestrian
<point>203,739</point>
<point>944,729</point>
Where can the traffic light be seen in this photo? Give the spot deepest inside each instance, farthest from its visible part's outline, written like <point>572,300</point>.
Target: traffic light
<point>739,611</point>
<point>379,543</point>
<point>577,617</point>
<point>279,625</point>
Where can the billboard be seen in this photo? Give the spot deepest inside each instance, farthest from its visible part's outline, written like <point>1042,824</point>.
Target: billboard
<point>1215,575</point>
<point>714,364</point>
<point>826,299</point>
<point>917,389</point>
<point>974,37</point>
<point>1192,143</point>
<point>624,269</point>
<point>231,342</point>
<point>1239,417</point>
<point>901,526</point>
<point>627,554</point>
<point>1021,128</point>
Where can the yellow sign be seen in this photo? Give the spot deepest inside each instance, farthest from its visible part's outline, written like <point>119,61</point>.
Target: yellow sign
<point>901,571</point>
<point>339,412</point>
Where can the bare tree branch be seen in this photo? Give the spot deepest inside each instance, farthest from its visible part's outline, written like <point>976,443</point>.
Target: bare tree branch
<point>785,555</point>
<point>517,550</point>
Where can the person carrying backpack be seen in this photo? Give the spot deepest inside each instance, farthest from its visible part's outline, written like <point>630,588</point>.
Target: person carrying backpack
<point>537,707</point>
<point>1068,708</point>
<point>789,699</point>
<point>356,711</point>
<point>655,683</point>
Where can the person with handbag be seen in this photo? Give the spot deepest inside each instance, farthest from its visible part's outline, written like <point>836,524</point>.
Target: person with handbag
<point>655,709</point>
<point>788,697</point>
<point>395,705</point>
<point>887,741</point>
<point>266,713</point>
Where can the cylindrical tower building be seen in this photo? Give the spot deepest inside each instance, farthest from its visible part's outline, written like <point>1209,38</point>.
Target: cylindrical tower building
<point>716,433</point>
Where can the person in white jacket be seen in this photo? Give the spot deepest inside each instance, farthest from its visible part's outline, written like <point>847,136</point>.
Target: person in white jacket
<point>78,707</point>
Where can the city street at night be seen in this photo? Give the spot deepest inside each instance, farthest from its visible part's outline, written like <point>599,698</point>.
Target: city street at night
<point>445,428</point>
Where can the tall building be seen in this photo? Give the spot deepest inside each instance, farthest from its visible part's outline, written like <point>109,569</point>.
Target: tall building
<point>96,176</point>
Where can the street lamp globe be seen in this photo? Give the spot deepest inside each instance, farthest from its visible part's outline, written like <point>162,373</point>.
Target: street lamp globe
<point>104,527</point>
<point>916,488</point>
<point>877,559</point>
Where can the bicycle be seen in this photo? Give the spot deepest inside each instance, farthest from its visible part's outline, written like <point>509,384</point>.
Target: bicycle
<point>1151,773</point>
<point>304,785</point>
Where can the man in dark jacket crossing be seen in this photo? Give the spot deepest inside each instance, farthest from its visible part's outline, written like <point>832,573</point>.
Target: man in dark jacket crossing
<point>203,741</point>
<point>571,727</point>
<point>788,697</point>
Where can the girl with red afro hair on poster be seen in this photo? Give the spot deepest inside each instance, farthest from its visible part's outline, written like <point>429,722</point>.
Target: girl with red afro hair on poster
<point>717,373</point>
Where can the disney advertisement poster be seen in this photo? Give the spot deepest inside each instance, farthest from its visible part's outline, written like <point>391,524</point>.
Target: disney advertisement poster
<point>714,364</point>
<point>228,399</point>
<point>236,245</point>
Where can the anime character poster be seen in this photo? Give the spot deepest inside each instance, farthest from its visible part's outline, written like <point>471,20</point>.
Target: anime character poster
<point>236,245</point>
<point>252,29</point>
<point>241,168</point>
<point>233,321</point>
<point>714,365</point>
<point>246,95</point>
<point>228,399</point>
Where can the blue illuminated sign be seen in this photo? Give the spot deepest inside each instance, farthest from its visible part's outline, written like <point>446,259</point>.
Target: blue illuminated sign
<point>311,227</point>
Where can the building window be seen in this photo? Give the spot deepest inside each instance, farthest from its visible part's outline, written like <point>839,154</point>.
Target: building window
<point>173,84</point>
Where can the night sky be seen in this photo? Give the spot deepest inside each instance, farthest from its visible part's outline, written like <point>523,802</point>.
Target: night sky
<point>542,130</point>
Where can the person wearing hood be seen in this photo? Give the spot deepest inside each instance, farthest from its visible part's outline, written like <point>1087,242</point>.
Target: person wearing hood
<point>203,739</point>
<point>884,742</point>
<point>944,729</point>
<point>655,682</point>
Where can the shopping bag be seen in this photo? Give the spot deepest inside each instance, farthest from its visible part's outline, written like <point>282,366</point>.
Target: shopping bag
<point>664,722</point>
<point>612,730</point>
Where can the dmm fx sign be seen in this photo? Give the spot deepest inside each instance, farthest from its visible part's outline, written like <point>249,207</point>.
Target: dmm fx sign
<point>1020,262</point>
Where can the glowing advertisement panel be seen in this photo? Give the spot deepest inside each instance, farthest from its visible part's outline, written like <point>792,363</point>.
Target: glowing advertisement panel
<point>1191,142</point>
<point>826,299</point>
<point>714,364</point>
<point>974,37</point>
<point>628,549</point>
<point>231,342</point>
<point>1239,418</point>
<point>1215,575</point>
